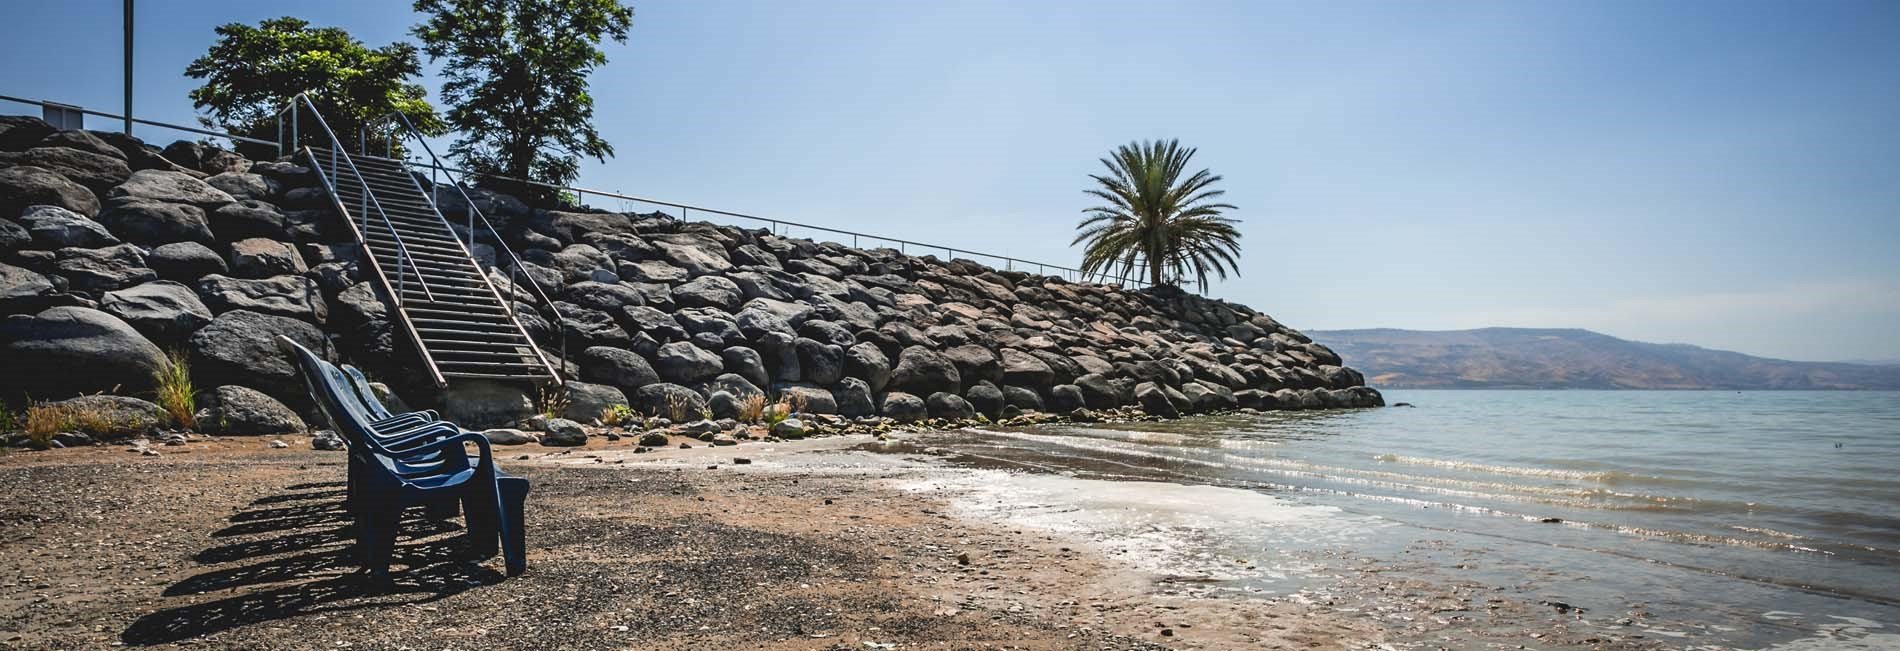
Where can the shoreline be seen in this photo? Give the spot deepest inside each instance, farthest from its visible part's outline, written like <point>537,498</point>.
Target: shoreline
<point>228,543</point>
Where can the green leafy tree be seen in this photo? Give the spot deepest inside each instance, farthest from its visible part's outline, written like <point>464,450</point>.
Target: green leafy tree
<point>1155,222</point>
<point>516,86</point>
<point>253,71</point>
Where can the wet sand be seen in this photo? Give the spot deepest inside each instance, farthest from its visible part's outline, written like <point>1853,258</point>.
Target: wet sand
<point>230,544</point>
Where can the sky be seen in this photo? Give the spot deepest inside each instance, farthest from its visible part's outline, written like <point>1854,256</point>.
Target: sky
<point>1725,174</point>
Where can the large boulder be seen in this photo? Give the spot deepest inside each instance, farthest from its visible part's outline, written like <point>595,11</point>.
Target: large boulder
<point>1024,369</point>
<point>975,364</point>
<point>948,405</point>
<point>655,323</point>
<point>261,258</point>
<point>853,397</point>
<point>24,290</point>
<point>171,187</point>
<point>86,141</point>
<point>809,399</point>
<point>112,416</point>
<point>150,222</point>
<point>291,296</point>
<point>684,363</point>
<point>986,399</point>
<point>1154,399</point>
<point>22,131</point>
<point>245,185</point>
<point>921,370</point>
<point>237,410</point>
<point>481,404</point>
<point>1022,398</point>
<point>240,347</point>
<point>163,310</point>
<point>13,236</point>
<point>616,367</point>
<point>103,270</point>
<point>54,227</point>
<point>249,218</point>
<point>97,172</point>
<point>708,291</point>
<point>68,350</point>
<point>903,407</point>
<point>668,400</point>
<point>818,362</point>
<point>695,254</point>
<point>746,363</point>
<point>185,261</point>
<point>1097,391</point>
<point>587,401</point>
<point>26,185</point>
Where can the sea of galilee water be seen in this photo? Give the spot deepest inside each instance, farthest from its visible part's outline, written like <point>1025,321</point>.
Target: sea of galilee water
<point>1698,520</point>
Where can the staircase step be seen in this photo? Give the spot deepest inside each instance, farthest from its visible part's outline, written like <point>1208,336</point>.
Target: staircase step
<point>469,346</point>
<point>466,324</point>
<point>459,334</point>
<point>498,376</point>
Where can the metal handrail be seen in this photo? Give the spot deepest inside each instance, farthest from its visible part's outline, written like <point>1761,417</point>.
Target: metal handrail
<point>1041,267</point>
<point>336,147</point>
<point>475,213</point>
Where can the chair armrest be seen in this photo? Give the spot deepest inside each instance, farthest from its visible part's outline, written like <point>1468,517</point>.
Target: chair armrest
<point>454,456</point>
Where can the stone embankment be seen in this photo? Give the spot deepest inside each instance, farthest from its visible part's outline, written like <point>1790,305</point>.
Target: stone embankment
<point>113,253</point>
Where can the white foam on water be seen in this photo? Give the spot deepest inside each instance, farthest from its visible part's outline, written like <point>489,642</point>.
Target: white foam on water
<point>1204,533</point>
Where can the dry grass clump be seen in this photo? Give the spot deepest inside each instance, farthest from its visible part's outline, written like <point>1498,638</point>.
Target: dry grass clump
<point>616,415</point>
<point>678,408</point>
<point>43,420</point>
<point>551,400</point>
<point>175,393</point>
<point>752,408</point>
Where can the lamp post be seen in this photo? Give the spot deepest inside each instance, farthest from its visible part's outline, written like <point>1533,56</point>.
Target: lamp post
<point>128,67</point>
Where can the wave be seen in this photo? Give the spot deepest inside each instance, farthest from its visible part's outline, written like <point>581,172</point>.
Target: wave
<point>1601,476</point>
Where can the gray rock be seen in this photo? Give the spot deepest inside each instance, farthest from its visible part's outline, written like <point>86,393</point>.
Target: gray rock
<point>790,428</point>
<point>853,398</point>
<point>245,185</point>
<point>22,131</point>
<point>1022,398</point>
<point>289,296</point>
<point>171,187</point>
<point>82,140</point>
<point>652,321</point>
<point>327,441</point>
<point>793,314</point>
<point>651,271</point>
<point>754,324</point>
<point>150,222</point>
<point>114,416</point>
<point>184,261</point>
<point>974,364</point>
<point>26,185</point>
<point>249,218</point>
<point>986,399</point>
<point>903,407</point>
<point>482,404</point>
<point>103,270</point>
<point>240,347</point>
<point>585,327</point>
<point>616,367</point>
<point>723,405</point>
<point>507,436</point>
<point>1154,401</point>
<point>163,310</point>
<point>819,363</point>
<point>746,363</point>
<point>737,386</point>
<point>815,400</point>
<point>683,363</point>
<point>261,258</point>
<point>54,227</point>
<point>867,362</point>
<point>587,401</point>
<point>708,291</point>
<point>96,172</point>
<point>1065,398</point>
<point>23,290</point>
<point>950,406</point>
<point>561,432</point>
<point>64,351</point>
<point>13,237</point>
<point>1023,369</point>
<point>606,297</point>
<point>921,370</point>
<point>1097,392</point>
<point>695,254</point>
<point>236,410</point>
<point>668,400</point>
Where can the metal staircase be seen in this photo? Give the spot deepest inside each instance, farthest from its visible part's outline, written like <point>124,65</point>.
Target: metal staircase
<point>441,296</point>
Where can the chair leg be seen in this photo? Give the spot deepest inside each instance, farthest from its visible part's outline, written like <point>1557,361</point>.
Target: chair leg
<point>379,523</point>
<point>480,514</point>
<point>513,491</point>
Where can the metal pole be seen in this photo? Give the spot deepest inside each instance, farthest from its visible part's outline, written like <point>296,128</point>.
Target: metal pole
<point>128,67</point>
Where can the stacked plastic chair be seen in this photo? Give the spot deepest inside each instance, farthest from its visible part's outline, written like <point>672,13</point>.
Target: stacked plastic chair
<point>397,461</point>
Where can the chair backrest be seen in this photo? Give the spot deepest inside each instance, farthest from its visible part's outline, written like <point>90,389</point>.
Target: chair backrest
<point>364,394</point>
<point>344,417</point>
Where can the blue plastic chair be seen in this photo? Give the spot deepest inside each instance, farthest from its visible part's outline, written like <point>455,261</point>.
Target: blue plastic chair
<point>428,466</point>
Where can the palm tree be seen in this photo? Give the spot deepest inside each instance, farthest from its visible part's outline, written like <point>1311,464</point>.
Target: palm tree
<point>1156,219</point>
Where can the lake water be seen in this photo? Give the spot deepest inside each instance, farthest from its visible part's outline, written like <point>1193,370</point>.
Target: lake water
<point>1706,519</point>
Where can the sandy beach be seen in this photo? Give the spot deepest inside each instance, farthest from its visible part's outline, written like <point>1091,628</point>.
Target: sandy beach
<point>230,543</point>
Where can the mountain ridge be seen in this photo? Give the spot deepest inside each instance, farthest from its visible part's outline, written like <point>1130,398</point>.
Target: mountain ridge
<point>1575,358</point>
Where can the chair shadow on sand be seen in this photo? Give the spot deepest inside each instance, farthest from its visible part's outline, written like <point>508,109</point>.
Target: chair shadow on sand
<point>297,558</point>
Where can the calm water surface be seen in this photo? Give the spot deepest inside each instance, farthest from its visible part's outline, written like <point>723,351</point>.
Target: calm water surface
<point>1722,519</point>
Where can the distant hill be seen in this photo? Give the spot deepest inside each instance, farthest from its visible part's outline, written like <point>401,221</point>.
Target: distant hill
<point>1532,358</point>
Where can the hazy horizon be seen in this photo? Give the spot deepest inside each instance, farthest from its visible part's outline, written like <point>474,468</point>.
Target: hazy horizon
<point>1724,175</point>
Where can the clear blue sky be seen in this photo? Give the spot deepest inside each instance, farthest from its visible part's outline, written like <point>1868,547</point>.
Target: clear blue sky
<point>1718,173</point>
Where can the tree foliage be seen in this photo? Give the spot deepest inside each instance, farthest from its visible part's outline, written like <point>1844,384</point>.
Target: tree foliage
<point>253,71</point>
<point>516,82</point>
<point>1154,220</point>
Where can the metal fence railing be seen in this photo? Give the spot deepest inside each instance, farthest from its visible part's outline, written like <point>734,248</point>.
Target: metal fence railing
<point>776,225</point>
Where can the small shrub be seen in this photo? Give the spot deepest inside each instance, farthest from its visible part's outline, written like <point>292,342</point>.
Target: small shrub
<point>616,415</point>
<point>43,421</point>
<point>551,401</point>
<point>678,407</point>
<point>752,408</point>
<point>776,414</point>
<point>175,392</point>
<point>10,421</point>
<point>794,402</point>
